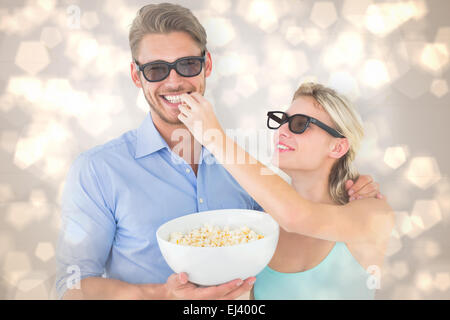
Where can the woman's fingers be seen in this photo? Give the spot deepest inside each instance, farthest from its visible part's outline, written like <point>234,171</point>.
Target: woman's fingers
<point>190,101</point>
<point>197,97</point>
<point>182,118</point>
<point>185,113</point>
<point>184,108</point>
<point>202,101</point>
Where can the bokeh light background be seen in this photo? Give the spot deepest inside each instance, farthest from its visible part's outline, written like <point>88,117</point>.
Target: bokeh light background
<point>65,87</point>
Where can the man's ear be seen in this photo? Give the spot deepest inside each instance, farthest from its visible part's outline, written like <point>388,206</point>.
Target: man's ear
<point>208,64</point>
<point>135,75</point>
<point>339,148</point>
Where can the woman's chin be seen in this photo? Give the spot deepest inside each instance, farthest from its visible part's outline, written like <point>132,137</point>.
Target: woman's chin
<point>284,165</point>
<point>279,163</point>
<point>275,161</point>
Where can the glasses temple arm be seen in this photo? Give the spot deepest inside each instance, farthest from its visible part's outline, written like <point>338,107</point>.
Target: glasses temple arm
<point>331,131</point>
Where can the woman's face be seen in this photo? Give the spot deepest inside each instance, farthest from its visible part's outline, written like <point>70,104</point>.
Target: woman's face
<point>309,150</point>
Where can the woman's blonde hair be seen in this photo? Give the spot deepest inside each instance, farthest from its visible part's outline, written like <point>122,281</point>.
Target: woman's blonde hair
<point>165,18</point>
<point>347,122</point>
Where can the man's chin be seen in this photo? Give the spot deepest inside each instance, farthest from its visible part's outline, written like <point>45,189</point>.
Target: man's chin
<point>171,120</point>
<point>167,116</point>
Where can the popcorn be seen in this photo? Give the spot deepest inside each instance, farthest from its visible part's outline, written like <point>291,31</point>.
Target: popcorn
<point>213,236</point>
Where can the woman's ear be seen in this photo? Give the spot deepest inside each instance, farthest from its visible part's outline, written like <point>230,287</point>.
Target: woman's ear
<point>339,148</point>
<point>135,75</point>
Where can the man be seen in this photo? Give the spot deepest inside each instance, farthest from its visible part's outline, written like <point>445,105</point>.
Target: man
<point>118,194</point>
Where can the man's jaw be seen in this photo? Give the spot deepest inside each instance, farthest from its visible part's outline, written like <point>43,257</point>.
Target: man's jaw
<point>162,112</point>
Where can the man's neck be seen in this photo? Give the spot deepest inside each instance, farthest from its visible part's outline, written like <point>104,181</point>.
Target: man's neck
<point>179,140</point>
<point>166,130</point>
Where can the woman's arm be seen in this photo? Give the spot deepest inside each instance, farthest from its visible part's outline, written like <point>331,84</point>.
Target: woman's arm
<point>363,220</point>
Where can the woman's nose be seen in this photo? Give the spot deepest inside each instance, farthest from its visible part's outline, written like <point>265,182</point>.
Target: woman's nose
<point>283,130</point>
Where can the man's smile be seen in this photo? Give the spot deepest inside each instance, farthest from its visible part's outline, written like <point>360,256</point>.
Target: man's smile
<point>173,100</point>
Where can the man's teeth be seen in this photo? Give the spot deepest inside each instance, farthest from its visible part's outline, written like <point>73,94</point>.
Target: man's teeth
<point>173,99</point>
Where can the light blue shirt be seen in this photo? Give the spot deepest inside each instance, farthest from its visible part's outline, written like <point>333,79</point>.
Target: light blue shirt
<point>118,194</point>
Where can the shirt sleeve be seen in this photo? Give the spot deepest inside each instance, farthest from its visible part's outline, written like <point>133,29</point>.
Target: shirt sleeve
<point>256,206</point>
<point>87,226</point>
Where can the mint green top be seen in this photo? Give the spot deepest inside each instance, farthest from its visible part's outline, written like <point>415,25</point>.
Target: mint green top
<point>338,276</point>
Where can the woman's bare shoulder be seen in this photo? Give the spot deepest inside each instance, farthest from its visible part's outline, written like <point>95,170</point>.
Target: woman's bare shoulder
<point>368,254</point>
<point>377,214</point>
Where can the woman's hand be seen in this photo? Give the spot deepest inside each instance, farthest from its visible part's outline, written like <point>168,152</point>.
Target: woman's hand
<point>198,116</point>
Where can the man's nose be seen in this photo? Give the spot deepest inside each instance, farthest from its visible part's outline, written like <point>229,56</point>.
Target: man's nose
<point>173,77</point>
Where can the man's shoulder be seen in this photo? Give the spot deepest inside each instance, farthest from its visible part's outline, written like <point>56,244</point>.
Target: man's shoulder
<point>124,145</point>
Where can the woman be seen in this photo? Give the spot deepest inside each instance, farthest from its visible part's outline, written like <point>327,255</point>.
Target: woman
<point>326,243</point>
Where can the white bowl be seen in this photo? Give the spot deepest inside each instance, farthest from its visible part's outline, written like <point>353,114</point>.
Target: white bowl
<point>209,266</point>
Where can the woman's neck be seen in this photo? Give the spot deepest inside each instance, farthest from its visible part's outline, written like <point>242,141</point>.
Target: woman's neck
<point>311,185</point>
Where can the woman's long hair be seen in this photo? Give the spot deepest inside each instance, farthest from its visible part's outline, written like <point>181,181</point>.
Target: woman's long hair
<point>347,122</point>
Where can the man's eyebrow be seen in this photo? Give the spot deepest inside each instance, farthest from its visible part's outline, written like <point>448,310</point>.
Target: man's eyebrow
<point>159,60</point>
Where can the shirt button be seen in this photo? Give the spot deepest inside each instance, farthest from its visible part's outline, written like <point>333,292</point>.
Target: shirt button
<point>188,170</point>
<point>200,200</point>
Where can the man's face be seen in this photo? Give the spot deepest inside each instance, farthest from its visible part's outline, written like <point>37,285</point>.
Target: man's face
<point>168,47</point>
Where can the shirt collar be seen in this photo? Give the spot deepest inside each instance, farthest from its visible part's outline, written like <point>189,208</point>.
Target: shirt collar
<point>149,140</point>
<point>206,156</point>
